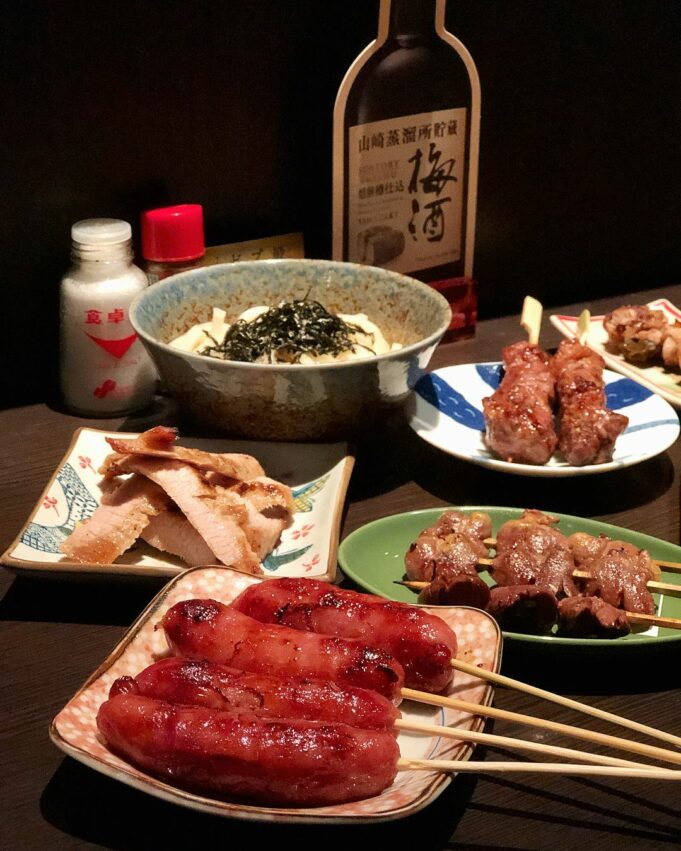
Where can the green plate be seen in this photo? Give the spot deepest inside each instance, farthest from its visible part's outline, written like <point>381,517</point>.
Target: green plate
<point>373,557</point>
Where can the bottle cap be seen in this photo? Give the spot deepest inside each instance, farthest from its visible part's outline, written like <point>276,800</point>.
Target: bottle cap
<point>101,232</point>
<point>171,234</point>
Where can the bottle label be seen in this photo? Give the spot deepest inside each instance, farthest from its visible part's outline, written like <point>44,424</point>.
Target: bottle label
<point>405,193</point>
<point>104,367</point>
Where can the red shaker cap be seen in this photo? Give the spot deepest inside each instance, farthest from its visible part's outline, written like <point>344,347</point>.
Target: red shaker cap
<point>171,234</point>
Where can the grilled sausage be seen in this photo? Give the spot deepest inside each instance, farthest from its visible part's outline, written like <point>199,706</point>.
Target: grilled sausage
<point>194,683</point>
<point>421,642</point>
<point>207,629</point>
<point>273,762</point>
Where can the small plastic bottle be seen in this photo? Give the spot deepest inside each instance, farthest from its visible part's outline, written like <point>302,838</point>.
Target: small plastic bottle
<point>172,240</point>
<point>104,368</point>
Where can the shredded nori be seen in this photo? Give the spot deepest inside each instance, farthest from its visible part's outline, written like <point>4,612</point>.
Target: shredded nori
<point>284,333</point>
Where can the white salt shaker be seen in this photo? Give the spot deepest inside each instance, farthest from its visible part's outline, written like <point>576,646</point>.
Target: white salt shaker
<point>104,369</point>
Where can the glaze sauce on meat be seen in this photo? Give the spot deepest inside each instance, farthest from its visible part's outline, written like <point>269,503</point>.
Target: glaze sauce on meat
<point>207,629</point>
<point>421,642</point>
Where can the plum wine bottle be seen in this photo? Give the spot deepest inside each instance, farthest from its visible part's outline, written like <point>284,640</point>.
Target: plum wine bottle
<point>405,158</point>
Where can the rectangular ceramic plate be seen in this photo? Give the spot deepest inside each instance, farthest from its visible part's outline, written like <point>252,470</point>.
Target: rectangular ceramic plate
<point>74,729</point>
<point>317,473</point>
<point>656,378</point>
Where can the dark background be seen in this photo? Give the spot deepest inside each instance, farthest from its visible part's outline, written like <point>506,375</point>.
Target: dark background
<point>109,108</point>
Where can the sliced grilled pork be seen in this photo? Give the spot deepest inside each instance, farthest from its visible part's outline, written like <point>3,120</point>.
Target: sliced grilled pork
<point>171,532</point>
<point>268,507</point>
<point>159,443</point>
<point>220,522</point>
<point>117,523</point>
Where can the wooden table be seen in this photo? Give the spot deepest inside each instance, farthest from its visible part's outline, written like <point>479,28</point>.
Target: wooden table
<point>54,634</point>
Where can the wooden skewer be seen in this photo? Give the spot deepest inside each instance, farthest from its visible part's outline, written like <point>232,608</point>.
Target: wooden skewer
<point>583,326</point>
<point>654,620</point>
<point>639,748</point>
<point>509,682</point>
<point>530,318</point>
<point>534,767</point>
<point>634,617</point>
<point>517,744</point>
<point>652,585</point>
<point>670,566</point>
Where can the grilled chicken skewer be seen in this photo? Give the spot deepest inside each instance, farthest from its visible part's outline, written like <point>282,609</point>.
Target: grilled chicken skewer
<point>636,332</point>
<point>667,566</point>
<point>519,414</point>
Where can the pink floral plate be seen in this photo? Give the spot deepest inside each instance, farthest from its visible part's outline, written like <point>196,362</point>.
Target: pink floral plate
<point>318,475</point>
<point>74,729</point>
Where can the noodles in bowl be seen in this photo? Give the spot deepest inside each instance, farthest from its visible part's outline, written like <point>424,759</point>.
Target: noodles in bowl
<point>285,397</point>
<point>292,332</point>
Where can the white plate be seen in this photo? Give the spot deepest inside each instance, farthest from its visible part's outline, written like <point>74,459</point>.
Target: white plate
<point>74,730</point>
<point>656,378</point>
<point>445,409</point>
<point>317,473</point>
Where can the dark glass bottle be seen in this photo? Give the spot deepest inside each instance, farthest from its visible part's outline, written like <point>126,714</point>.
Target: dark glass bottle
<point>406,129</point>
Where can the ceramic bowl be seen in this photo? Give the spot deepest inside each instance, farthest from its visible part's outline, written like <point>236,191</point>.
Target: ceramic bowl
<point>291,401</point>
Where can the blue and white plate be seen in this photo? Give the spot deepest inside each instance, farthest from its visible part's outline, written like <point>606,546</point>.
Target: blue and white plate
<point>446,410</point>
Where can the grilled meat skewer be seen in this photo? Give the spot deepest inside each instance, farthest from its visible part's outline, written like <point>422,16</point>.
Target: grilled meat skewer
<point>587,428</point>
<point>519,415</point>
<point>591,616</point>
<point>537,570</point>
<point>531,551</point>
<point>530,609</point>
<point>619,572</point>
<point>446,555</point>
<point>636,332</point>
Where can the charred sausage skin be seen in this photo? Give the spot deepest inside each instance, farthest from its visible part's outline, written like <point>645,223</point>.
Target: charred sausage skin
<point>272,762</point>
<point>200,683</point>
<point>423,643</point>
<point>207,629</point>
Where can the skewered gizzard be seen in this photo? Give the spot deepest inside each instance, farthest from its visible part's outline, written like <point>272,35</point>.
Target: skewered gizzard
<point>538,570</point>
